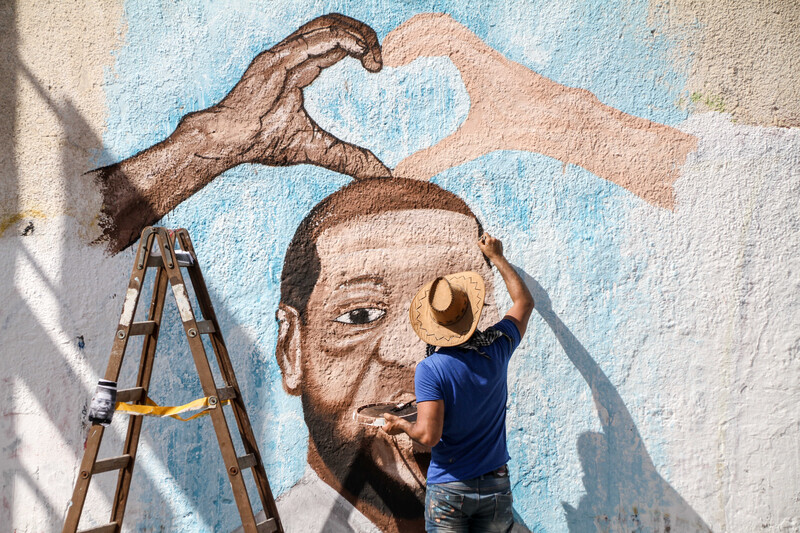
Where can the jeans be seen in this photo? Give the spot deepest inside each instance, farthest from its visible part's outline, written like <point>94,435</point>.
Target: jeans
<point>480,504</point>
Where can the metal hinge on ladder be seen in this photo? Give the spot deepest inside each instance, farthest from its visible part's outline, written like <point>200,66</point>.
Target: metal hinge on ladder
<point>173,251</point>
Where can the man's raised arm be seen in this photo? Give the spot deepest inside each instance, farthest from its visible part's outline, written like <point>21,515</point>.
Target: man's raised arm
<point>522,301</point>
<point>261,120</point>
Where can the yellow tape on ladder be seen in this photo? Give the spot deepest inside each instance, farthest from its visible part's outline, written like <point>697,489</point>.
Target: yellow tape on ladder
<point>153,409</point>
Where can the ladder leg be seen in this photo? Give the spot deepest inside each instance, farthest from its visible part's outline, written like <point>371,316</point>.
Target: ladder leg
<point>84,479</point>
<point>228,375</point>
<point>234,474</point>
<point>95,437</point>
<point>245,429</point>
<point>143,380</point>
<point>209,386</point>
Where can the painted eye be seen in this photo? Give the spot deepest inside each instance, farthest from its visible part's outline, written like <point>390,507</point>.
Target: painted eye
<point>361,316</point>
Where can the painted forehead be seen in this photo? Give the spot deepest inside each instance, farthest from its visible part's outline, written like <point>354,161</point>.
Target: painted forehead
<point>380,195</point>
<point>402,229</point>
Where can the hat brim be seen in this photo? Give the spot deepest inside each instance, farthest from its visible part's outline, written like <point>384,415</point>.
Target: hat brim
<point>432,332</point>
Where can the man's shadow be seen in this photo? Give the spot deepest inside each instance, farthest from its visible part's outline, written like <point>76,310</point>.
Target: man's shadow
<point>624,491</point>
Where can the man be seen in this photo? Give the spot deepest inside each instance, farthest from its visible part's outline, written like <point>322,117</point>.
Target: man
<point>461,397</point>
<point>344,341</point>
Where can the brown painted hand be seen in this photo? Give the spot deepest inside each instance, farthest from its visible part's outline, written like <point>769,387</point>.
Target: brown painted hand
<point>261,120</point>
<point>515,108</point>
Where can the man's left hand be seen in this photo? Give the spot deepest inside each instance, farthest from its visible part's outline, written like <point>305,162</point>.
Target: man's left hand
<point>394,424</point>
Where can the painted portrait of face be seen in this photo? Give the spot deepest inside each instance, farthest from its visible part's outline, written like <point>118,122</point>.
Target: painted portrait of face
<point>345,340</point>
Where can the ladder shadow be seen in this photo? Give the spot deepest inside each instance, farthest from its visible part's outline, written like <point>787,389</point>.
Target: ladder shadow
<point>62,397</point>
<point>623,489</point>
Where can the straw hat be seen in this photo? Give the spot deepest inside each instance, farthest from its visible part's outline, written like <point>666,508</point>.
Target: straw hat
<point>445,312</point>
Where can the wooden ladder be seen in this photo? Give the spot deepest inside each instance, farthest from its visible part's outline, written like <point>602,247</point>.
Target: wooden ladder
<point>167,265</point>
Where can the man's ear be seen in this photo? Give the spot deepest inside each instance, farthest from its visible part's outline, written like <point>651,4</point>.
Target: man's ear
<point>288,352</point>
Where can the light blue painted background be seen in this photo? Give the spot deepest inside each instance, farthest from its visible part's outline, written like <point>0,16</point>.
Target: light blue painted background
<point>563,226</point>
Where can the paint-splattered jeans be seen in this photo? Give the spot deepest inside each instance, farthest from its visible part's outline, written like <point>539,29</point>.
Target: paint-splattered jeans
<point>481,504</point>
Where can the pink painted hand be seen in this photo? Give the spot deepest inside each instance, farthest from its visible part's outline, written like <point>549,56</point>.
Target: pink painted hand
<point>514,108</point>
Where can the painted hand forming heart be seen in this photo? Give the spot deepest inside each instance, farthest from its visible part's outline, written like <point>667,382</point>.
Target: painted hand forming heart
<point>263,119</point>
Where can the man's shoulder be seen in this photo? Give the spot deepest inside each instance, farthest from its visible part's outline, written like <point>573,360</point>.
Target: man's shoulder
<point>431,367</point>
<point>508,327</point>
<point>508,340</point>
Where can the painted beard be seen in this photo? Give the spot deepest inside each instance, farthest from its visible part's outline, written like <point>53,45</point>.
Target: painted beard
<point>352,463</point>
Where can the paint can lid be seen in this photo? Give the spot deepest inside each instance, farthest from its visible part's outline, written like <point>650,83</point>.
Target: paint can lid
<point>372,413</point>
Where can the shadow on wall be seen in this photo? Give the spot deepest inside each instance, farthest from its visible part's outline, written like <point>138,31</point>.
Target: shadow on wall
<point>624,491</point>
<point>60,399</point>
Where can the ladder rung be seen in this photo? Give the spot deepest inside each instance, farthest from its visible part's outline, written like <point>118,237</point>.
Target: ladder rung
<point>205,326</point>
<point>247,461</point>
<point>112,463</point>
<point>108,528</point>
<point>142,328</point>
<point>184,260</point>
<point>267,526</point>
<point>136,394</point>
<point>225,393</point>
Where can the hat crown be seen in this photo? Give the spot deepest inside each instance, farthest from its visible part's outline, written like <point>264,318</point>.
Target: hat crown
<point>445,311</point>
<point>448,302</point>
<point>441,295</point>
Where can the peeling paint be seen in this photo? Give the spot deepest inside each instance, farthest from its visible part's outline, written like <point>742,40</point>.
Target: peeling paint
<point>184,306</point>
<point>128,307</point>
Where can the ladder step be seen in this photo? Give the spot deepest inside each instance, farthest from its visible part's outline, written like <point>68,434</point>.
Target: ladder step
<point>185,259</point>
<point>206,326</point>
<point>112,463</point>
<point>225,393</point>
<point>108,528</point>
<point>136,394</point>
<point>247,461</point>
<point>267,526</point>
<point>142,328</point>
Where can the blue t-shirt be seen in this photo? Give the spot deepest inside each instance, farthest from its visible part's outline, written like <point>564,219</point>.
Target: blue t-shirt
<point>474,391</point>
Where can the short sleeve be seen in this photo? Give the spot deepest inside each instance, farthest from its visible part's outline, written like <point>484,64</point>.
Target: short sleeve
<point>502,345</point>
<point>427,386</point>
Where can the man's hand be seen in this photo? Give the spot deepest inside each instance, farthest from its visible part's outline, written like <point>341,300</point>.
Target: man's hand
<point>426,430</point>
<point>514,108</point>
<point>522,301</point>
<point>394,424</point>
<point>490,246</point>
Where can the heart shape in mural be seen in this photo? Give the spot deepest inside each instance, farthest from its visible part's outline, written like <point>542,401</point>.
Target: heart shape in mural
<point>395,112</point>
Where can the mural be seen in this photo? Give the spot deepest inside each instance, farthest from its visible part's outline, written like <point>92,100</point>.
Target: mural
<point>345,339</point>
<point>358,258</point>
<point>326,173</point>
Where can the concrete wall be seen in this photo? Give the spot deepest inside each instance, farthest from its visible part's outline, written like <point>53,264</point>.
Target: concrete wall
<point>640,161</point>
